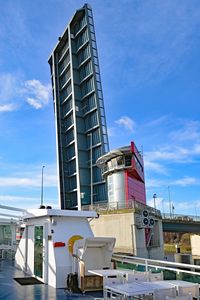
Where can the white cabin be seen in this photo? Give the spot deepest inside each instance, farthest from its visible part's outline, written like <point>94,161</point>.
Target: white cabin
<point>46,247</point>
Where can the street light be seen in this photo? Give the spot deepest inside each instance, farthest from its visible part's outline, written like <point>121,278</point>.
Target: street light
<point>154,200</point>
<point>41,204</point>
<point>195,212</point>
<point>173,209</point>
<point>170,208</point>
<point>163,206</point>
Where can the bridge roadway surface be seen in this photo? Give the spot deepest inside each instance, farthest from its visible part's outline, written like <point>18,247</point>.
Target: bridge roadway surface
<point>177,223</point>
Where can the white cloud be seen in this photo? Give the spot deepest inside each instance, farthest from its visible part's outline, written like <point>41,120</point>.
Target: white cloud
<point>152,183</point>
<point>154,166</point>
<point>14,91</point>
<point>196,149</point>
<point>24,201</point>
<point>190,131</point>
<point>173,153</point>
<point>28,180</point>
<point>8,107</point>
<point>38,93</point>
<point>164,183</point>
<point>13,199</point>
<point>188,205</point>
<point>34,103</point>
<point>127,123</point>
<point>184,205</point>
<point>186,181</point>
<point>179,207</point>
<point>167,153</point>
<point>182,147</point>
<point>9,86</point>
<point>158,202</point>
<point>158,121</point>
<point>17,181</point>
<point>111,131</point>
<point>159,160</point>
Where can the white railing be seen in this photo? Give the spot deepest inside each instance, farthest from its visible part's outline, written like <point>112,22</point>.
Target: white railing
<point>157,264</point>
<point>11,216</point>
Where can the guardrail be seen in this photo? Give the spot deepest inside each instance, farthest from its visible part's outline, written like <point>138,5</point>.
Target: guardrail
<point>137,205</point>
<point>157,264</point>
<point>178,217</point>
<point>119,205</point>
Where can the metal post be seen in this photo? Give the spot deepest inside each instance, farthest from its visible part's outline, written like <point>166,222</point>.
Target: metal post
<point>170,211</point>
<point>154,200</point>
<point>42,187</point>
<point>146,266</point>
<point>163,207</point>
<point>195,212</point>
<point>173,208</point>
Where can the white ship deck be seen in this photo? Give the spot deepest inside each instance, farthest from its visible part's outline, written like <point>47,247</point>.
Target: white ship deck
<point>10,289</point>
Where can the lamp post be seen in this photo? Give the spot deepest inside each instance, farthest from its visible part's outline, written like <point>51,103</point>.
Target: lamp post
<point>170,208</point>
<point>173,209</point>
<point>41,204</point>
<point>195,212</point>
<point>163,207</point>
<point>154,200</point>
<point>91,172</point>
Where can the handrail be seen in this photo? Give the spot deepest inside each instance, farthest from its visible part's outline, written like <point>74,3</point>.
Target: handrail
<point>189,266</point>
<point>12,208</point>
<point>11,218</point>
<point>155,263</point>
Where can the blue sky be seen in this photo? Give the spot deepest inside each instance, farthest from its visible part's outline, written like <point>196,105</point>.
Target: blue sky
<point>149,61</point>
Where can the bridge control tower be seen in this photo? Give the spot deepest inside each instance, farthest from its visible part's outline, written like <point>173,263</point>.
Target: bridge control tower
<point>123,170</point>
<point>136,226</point>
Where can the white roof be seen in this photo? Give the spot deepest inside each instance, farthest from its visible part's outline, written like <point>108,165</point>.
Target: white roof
<point>36,213</point>
<point>112,154</point>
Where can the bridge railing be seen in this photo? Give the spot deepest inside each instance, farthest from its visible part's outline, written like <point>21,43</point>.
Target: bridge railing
<point>179,217</point>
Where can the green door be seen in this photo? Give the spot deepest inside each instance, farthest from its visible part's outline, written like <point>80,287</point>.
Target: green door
<point>38,251</point>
